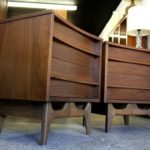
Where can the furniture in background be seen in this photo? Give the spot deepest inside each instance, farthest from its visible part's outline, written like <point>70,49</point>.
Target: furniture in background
<point>125,82</point>
<point>138,23</point>
<point>48,69</point>
<point>3,9</point>
<point>119,35</point>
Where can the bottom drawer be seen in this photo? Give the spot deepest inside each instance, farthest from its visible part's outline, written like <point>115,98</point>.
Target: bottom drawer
<point>123,94</point>
<point>67,89</point>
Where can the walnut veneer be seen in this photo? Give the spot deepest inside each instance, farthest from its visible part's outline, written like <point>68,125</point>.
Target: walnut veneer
<point>126,74</point>
<point>44,56</point>
<point>44,59</point>
<point>125,81</point>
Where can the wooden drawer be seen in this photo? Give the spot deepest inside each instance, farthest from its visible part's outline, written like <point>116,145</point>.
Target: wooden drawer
<point>126,74</point>
<point>74,38</point>
<point>128,81</point>
<point>128,68</point>
<point>129,55</point>
<point>72,71</point>
<point>128,95</point>
<point>79,92</point>
<point>73,64</point>
<point>71,54</point>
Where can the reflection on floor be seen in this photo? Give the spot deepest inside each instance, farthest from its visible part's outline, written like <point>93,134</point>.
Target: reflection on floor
<point>69,134</point>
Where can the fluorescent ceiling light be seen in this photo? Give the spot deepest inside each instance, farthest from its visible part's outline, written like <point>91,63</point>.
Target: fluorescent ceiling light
<point>41,6</point>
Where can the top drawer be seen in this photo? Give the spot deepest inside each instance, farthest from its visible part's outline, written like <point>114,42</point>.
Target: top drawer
<point>75,38</point>
<point>129,55</point>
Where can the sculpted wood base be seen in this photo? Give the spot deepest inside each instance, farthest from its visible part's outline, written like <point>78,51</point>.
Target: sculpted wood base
<point>44,112</point>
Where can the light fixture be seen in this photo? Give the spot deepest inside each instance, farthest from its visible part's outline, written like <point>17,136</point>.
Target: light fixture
<point>41,5</point>
<point>132,3</point>
<point>138,23</point>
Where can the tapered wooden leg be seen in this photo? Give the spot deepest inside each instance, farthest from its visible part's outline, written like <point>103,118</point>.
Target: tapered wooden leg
<point>107,122</point>
<point>87,118</point>
<point>47,117</point>
<point>109,117</point>
<point>2,118</point>
<point>126,119</point>
<point>83,121</point>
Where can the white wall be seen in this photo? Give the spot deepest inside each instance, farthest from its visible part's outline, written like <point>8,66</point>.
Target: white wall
<point>147,3</point>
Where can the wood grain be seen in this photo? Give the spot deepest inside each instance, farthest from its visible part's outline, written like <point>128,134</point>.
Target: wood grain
<point>24,61</point>
<point>128,68</point>
<point>48,49</point>
<point>72,71</point>
<point>70,54</point>
<point>126,74</point>
<point>129,55</point>
<point>128,95</point>
<point>130,81</point>
<point>45,59</point>
<point>60,88</point>
<point>61,31</point>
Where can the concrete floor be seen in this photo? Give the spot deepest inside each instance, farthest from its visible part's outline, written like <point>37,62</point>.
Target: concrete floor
<point>69,134</point>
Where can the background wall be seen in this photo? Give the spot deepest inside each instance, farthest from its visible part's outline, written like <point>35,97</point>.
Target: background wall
<point>3,9</point>
<point>118,15</point>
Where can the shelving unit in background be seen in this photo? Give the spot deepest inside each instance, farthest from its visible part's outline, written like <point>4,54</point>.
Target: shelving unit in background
<point>118,35</point>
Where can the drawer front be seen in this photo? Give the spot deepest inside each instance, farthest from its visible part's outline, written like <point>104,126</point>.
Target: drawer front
<point>127,95</point>
<point>128,81</point>
<point>128,55</point>
<point>76,64</point>
<point>128,68</point>
<point>72,64</point>
<point>60,88</point>
<point>70,54</point>
<point>71,71</point>
<point>74,38</point>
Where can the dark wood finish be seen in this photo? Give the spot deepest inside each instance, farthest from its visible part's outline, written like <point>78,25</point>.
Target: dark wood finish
<point>127,95</point>
<point>61,88</point>
<point>2,118</point>
<point>127,74</point>
<point>24,64</point>
<point>51,61</point>
<point>129,55</point>
<point>109,111</point>
<point>44,112</point>
<point>3,9</point>
<point>109,117</point>
<point>73,56</point>
<point>126,119</point>
<point>21,109</point>
<point>128,81</point>
<point>130,109</point>
<point>50,52</point>
<point>125,80</point>
<point>71,71</point>
<point>128,68</point>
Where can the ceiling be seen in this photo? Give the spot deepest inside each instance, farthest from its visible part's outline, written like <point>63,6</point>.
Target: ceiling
<point>91,15</point>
